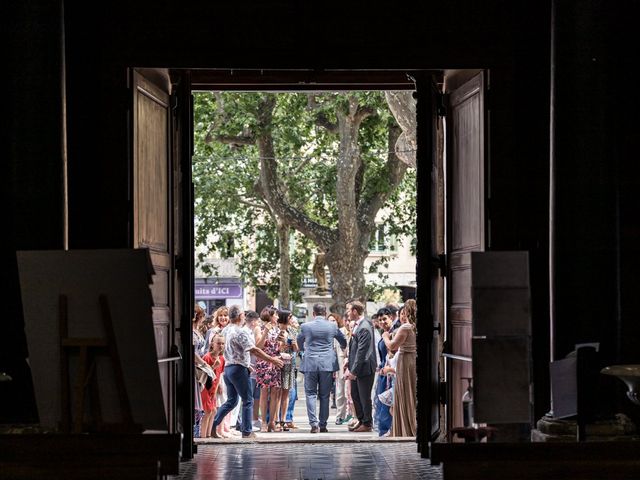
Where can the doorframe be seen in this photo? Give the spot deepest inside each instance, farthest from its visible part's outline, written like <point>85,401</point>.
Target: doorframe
<point>328,80</point>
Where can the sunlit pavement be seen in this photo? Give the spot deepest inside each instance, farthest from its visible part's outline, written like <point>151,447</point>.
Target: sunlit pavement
<point>301,455</point>
<point>336,433</point>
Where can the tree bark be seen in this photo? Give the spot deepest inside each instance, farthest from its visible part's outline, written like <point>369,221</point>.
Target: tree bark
<point>403,107</point>
<point>346,247</point>
<point>347,275</point>
<point>285,264</point>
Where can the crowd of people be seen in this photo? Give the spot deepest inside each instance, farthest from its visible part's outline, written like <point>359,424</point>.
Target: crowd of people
<point>246,368</point>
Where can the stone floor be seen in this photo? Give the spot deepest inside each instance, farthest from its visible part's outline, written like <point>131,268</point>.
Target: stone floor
<point>309,461</point>
<point>300,455</point>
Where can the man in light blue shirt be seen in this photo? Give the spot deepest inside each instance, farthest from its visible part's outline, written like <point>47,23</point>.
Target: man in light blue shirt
<point>319,361</point>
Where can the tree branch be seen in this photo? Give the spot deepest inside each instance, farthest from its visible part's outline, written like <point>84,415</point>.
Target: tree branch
<point>364,112</point>
<point>252,204</point>
<point>301,165</point>
<point>403,107</point>
<point>269,187</point>
<point>239,140</point>
<point>395,169</point>
<point>321,119</point>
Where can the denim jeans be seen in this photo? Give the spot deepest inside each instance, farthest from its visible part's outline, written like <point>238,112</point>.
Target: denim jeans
<point>236,378</point>
<point>293,396</point>
<point>383,415</point>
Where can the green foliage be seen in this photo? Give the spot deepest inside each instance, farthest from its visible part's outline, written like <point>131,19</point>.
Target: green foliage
<point>231,219</point>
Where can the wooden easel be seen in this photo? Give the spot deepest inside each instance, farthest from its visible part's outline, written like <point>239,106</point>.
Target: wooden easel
<point>86,378</point>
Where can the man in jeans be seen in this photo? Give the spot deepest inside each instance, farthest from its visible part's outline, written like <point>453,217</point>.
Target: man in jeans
<point>238,347</point>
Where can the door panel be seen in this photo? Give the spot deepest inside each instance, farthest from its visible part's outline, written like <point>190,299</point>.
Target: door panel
<point>466,193</point>
<point>430,233</point>
<point>152,213</point>
<point>182,272</point>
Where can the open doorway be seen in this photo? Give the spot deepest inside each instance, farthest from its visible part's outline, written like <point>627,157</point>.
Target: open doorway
<point>267,165</point>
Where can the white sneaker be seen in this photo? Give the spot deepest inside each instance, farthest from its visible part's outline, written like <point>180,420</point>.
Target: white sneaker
<point>257,424</point>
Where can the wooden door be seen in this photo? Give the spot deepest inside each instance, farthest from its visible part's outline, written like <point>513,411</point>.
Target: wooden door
<point>466,232</point>
<point>152,211</point>
<point>430,284</point>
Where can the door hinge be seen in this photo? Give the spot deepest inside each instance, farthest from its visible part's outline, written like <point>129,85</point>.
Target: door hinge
<point>440,262</point>
<point>178,263</point>
<point>442,100</point>
<point>174,102</point>
<point>442,392</point>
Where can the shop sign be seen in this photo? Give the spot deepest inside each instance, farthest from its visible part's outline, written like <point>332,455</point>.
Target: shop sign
<point>220,290</point>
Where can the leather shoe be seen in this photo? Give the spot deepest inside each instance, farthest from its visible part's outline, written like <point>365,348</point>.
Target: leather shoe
<point>363,428</point>
<point>315,429</point>
<point>354,426</point>
<point>324,430</point>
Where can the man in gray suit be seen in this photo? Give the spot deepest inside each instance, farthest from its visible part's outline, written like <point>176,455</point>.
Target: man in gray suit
<point>319,361</point>
<point>361,367</point>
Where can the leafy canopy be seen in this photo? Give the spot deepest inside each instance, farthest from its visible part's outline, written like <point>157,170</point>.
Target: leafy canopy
<point>231,216</point>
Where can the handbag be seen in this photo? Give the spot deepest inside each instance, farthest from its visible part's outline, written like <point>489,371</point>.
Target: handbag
<point>205,375</point>
<point>386,397</point>
<point>286,358</point>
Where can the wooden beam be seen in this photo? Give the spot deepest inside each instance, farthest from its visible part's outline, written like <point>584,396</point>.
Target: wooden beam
<point>301,80</point>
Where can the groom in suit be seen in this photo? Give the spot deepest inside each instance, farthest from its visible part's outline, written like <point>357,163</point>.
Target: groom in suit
<point>361,366</point>
<point>319,361</point>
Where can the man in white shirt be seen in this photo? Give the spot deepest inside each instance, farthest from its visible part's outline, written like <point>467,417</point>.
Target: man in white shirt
<point>239,345</point>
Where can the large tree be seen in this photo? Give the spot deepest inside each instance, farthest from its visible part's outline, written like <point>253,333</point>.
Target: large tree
<point>323,165</point>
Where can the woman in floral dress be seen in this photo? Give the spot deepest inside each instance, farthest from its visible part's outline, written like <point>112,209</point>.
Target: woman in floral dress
<point>268,376</point>
<point>288,348</point>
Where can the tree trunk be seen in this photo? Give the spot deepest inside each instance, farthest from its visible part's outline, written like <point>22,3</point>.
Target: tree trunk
<point>347,275</point>
<point>346,247</point>
<point>285,264</point>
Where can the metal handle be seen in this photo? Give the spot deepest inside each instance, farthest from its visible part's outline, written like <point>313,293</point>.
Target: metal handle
<point>175,355</point>
<point>462,358</point>
<point>169,359</point>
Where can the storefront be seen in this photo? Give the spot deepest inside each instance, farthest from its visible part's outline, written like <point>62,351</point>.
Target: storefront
<point>216,292</point>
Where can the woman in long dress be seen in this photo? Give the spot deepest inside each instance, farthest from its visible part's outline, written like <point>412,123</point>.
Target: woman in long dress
<point>288,348</point>
<point>198,351</point>
<point>404,389</point>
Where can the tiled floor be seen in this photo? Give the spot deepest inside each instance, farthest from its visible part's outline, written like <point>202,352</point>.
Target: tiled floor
<point>300,455</point>
<point>308,461</point>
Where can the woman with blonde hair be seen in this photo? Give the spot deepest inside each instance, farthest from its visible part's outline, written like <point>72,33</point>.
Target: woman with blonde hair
<point>404,388</point>
<point>220,320</point>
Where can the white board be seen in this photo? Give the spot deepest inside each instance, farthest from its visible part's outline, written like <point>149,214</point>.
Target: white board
<point>83,275</point>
